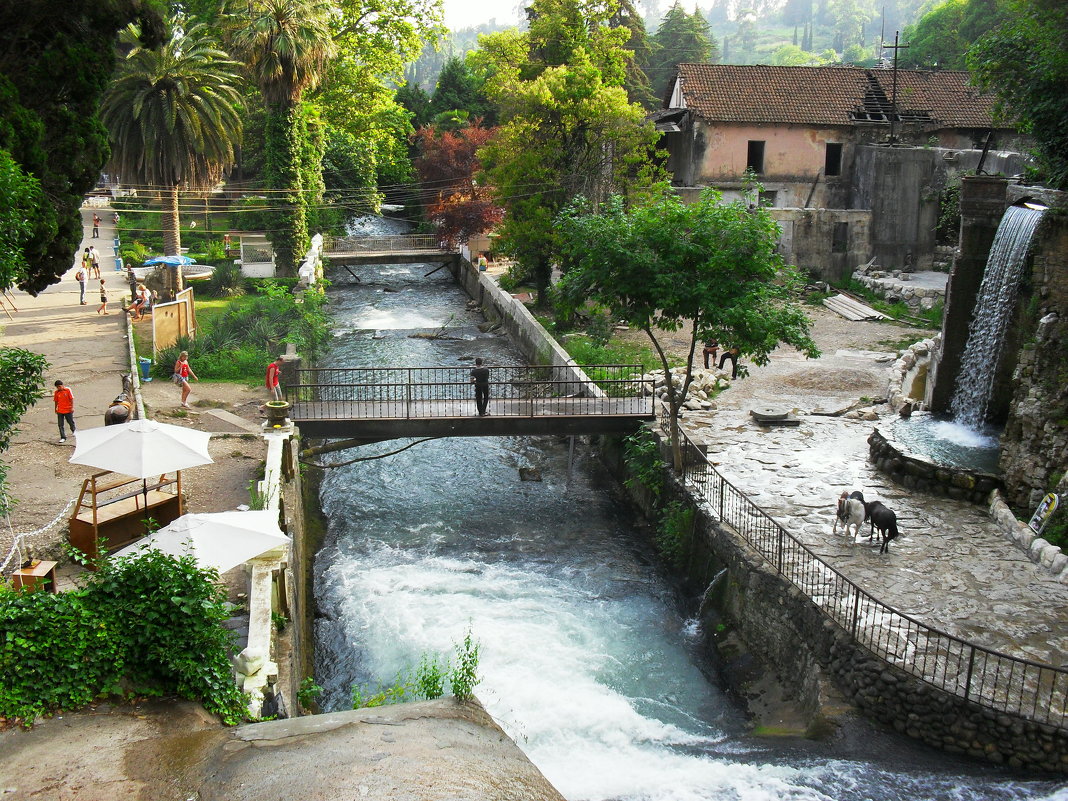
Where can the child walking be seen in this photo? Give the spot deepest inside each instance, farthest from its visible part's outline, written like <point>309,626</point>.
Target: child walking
<point>103,299</point>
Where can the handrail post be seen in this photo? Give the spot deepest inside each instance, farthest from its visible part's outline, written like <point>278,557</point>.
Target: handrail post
<point>722,490</point>
<point>408,396</point>
<point>856,613</point>
<point>780,549</point>
<point>968,677</point>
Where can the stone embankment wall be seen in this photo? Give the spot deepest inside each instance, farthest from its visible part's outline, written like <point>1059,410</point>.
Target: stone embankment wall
<point>822,662</point>
<point>916,473</point>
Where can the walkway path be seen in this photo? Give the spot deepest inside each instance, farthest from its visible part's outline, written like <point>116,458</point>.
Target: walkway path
<point>950,568</point>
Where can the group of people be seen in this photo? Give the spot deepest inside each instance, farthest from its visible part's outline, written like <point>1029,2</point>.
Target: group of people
<point>711,348</point>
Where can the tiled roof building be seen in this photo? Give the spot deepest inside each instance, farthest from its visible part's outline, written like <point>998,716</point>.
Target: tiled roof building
<point>830,95</point>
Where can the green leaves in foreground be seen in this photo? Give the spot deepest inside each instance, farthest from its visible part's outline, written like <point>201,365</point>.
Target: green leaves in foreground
<point>151,622</point>
<point>428,681</point>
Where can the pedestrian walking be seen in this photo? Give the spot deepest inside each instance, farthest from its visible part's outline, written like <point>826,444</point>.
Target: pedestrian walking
<point>182,373</point>
<point>94,260</point>
<point>64,400</point>
<point>274,379</point>
<point>480,378</point>
<point>96,225</point>
<point>103,299</point>
<point>87,264</point>
<point>82,277</point>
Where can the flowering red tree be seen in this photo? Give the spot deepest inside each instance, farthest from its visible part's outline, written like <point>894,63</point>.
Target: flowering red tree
<point>447,163</point>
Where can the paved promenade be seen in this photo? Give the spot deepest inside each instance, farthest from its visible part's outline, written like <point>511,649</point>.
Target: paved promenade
<point>950,568</point>
<point>88,352</point>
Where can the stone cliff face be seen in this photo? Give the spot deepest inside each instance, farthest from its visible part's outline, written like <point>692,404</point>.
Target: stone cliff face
<point>1034,446</point>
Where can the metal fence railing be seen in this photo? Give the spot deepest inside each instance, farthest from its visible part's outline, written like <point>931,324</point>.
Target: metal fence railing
<point>402,243</point>
<point>427,392</point>
<point>1015,686</point>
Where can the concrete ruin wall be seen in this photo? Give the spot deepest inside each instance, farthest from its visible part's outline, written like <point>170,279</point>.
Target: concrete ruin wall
<point>901,188</point>
<point>1034,446</point>
<point>828,243</point>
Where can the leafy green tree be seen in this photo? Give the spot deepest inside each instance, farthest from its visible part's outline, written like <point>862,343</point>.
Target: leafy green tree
<point>935,39</point>
<point>374,41</point>
<point>173,117</point>
<point>567,126</point>
<point>414,99</point>
<point>56,58</point>
<point>665,264</point>
<point>20,196</point>
<point>1025,62</point>
<point>641,49</point>
<point>286,45</point>
<point>460,89</point>
<point>681,39</point>
<point>22,386</point>
<point>791,56</point>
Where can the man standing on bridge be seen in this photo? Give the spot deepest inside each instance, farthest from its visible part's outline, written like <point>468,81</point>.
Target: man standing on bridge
<point>480,378</point>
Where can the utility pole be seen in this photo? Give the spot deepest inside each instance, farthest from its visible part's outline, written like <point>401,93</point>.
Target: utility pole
<point>893,99</point>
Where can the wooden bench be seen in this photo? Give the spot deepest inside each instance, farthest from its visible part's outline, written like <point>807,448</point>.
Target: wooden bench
<point>103,523</point>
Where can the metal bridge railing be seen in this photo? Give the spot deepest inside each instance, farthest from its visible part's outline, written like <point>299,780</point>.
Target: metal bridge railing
<point>427,392</point>
<point>403,243</point>
<point>1008,684</point>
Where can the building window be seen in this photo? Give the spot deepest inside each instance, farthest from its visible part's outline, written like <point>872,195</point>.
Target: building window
<point>840,238</point>
<point>833,164</point>
<point>768,199</point>
<point>754,159</point>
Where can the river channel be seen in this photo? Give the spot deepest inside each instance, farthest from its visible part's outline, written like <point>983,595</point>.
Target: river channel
<point>585,660</point>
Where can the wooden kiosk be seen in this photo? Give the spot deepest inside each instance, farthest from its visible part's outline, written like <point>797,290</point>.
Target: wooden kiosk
<point>111,510</point>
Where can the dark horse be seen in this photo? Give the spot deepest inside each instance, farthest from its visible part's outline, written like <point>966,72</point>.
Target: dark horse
<point>120,409</point>
<point>882,518</point>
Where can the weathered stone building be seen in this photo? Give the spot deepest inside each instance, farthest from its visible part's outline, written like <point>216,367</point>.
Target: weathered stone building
<point>855,164</point>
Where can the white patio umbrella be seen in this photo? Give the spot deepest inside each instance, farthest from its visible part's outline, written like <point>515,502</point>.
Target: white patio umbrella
<point>222,540</point>
<point>141,448</point>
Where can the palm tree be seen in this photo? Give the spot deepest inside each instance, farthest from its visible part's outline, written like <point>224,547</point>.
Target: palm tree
<point>285,45</point>
<point>173,118</point>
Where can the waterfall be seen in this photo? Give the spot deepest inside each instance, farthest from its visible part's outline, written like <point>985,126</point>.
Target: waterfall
<point>993,310</point>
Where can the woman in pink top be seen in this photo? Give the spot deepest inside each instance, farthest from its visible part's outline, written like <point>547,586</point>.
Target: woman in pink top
<point>182,373</point>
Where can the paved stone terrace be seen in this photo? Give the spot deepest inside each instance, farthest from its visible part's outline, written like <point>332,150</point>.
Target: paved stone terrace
<point>950,567</point>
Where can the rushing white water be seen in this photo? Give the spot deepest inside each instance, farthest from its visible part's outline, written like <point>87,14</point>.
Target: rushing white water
<point>585,660</point>
<point>994,308</point>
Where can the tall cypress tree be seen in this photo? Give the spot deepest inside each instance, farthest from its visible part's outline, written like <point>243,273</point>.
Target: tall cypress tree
<point>681,39</point>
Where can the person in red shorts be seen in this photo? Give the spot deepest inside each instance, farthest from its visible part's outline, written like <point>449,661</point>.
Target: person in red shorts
<point>274,379</point>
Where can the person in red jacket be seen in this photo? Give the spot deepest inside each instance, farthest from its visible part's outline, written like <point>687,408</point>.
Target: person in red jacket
<point>64,400</point>
<point>274,375</point>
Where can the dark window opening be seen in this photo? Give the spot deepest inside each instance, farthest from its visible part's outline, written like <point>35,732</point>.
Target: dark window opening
<point>768,199</point>
<point>833,163</point>
<point>840,237</point>
<point>754,159</point>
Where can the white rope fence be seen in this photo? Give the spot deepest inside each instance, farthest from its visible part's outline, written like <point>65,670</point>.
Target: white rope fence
<point>18,539</point>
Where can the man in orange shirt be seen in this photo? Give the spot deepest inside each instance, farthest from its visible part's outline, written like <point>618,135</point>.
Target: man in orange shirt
<point>64,400</point>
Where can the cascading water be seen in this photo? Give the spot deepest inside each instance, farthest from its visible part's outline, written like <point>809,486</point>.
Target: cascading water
<point>585,661</point>
<point>994,308</point>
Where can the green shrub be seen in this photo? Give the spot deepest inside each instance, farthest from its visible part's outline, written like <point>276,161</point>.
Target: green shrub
<point>226,281</point>
<point>641,453</point>
<point>428,680</point>
<point>152,622</point>
<point>675,531</point>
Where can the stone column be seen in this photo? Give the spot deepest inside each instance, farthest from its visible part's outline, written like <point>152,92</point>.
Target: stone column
<point>982,205</point>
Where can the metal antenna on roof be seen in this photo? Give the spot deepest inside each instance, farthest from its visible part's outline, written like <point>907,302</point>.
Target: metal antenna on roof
<point>893,99</point>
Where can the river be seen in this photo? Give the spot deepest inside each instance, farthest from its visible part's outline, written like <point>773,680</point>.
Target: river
<point>585,660</point>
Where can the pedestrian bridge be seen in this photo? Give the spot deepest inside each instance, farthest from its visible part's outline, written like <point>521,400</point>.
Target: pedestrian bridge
<point>400,249</point>
<point>378,403</point>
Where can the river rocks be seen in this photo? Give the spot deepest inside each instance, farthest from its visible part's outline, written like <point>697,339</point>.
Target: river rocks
<point>703,385</point>
<point>903,383</point>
